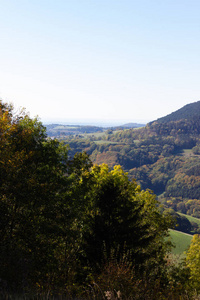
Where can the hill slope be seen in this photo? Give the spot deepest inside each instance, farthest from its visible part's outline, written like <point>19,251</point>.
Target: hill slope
<point>163,156</point>
<point>189,112</point>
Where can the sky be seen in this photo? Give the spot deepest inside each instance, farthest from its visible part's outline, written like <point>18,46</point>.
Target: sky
<point>94,61</point>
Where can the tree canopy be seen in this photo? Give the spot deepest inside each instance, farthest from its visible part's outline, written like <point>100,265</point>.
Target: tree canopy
<point>62,218</point>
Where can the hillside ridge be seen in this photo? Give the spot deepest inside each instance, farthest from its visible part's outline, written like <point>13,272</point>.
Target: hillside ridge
<point>189,112</point>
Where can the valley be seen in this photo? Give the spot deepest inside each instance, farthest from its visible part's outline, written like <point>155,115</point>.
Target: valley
<point>163,156</point>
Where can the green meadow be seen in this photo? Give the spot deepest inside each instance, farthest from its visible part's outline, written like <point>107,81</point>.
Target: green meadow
<point>180,240</point>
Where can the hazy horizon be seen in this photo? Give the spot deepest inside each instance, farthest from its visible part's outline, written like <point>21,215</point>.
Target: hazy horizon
<point>101,123</point>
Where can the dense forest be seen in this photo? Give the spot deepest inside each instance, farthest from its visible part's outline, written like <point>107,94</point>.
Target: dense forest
<point>163,156</point>
<point>72,229</point>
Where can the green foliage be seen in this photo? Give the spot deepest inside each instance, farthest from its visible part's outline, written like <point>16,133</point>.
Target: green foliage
<point>46,206</point>
<point>31,173</point>
<point>66,223</point>
<point>122,218</point>
<point>162,156</point>
<point>186,206</point>
<point>38,186</point>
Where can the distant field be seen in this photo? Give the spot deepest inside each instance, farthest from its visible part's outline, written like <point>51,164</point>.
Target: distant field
<point>106,142</point>
<point>95,134</point>
<point>187,152</point>
<point>180,240</point>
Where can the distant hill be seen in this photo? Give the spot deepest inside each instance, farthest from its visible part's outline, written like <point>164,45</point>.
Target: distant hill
<point>58,130</point>
<point>190,112</point>
<point>132,125</point>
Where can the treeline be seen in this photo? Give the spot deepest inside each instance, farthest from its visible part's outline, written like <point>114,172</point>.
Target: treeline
<point>72,229</point>
<point>187,112</point>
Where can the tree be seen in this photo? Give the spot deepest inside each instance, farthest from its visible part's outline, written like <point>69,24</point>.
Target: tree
<point>193,262</point>
<point>31,168</point>
<point>38,183</point>
<point>121,220</point>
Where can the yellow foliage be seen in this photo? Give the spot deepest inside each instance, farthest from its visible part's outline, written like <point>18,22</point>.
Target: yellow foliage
<point>193,261</point>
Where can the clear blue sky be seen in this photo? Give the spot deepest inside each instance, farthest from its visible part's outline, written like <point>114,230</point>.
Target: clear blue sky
<point>100,60</point>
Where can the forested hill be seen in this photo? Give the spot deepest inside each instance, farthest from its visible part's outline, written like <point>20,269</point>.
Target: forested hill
<point>188,112</point>
<point>185,120</point>
<point>162,156</point>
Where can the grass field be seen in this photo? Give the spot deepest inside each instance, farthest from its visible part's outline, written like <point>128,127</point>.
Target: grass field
<point>101,142</point>
<point>181,241</point>
<point>95,134</point>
